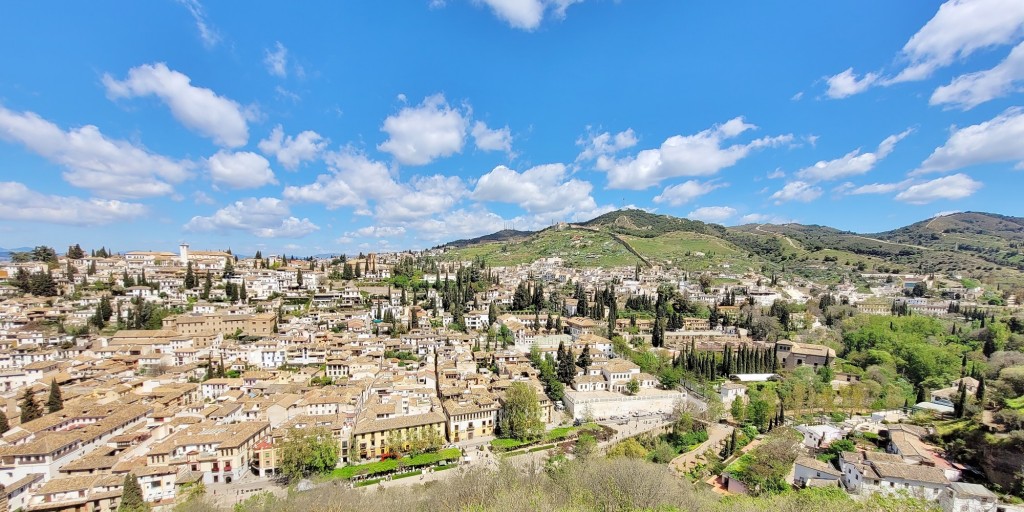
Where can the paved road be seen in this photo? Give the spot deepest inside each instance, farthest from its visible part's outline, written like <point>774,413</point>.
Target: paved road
<point>717,433</point>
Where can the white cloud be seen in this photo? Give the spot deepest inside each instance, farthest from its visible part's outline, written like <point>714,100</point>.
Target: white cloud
<point>701,154</point>
<point>797,97</point>
<point>776,174</point>
<point>419,135</point>
<point>524,14</point>
<point>945,213</point>
<point>198,108</point>
<point>715,214</point>
<point>853,163</point>
<point>876,188</point>
<point>422,196</point>
<point>354,180</point>
<point>292,151</point>
<point>200,197</point>
<point>207,34</point>
<point>543,189</point>
<point>277,60</point>
<point>110,168</point>
<point>18,202</point>
<point>847,84</point>
<point>460,224</point>
<point>685,192</point>
<point>763,218</point>
<point>797,191</point>
<point>996,140</point>
<point>265,217</point>
<point>378,232</point>
<point>970,90</point>
<point>492,140</point>
<point>957,186</point>
<point>958,29</point>
<point>240,170</point>
<point>602,144</point>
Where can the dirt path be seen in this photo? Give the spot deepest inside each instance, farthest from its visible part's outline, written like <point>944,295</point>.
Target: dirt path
<point>717,433</point>
<point>923,248</point>
<point>784,237</point>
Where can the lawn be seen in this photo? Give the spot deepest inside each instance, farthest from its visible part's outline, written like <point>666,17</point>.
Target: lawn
<point>390,465</point>
<point>1016,403</point>
<point>555,434</point>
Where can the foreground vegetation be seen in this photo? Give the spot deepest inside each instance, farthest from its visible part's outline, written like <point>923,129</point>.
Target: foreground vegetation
<point>619,484</point>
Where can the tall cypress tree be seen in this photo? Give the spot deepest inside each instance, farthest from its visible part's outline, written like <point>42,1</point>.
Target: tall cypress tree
<point>5,425</point>
<point>55,402</point>
<point>131,496</point>
<point>29,408</point>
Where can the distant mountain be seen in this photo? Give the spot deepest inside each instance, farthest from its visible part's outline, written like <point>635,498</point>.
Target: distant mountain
<point>5,254</point>
<point>973,244</point>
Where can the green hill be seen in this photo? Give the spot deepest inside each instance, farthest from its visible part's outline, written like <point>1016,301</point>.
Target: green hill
<point>976,245</point>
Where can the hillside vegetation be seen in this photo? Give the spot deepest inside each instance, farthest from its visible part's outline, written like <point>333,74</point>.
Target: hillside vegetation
<point>618,484</point>
<point>982,246</point>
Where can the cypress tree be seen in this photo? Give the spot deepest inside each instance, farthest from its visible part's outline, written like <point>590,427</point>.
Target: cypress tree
<point>55,402</point>
<point>29,408</point>
<point>4,424</point>
<point>131,496</point>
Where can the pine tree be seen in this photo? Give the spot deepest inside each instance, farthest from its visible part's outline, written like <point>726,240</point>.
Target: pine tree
<point>55,402</point>
<point>5,425</point>
<point>131,496</point>
<point>980,393</point>
<point>29,408</point>
<point>584,359</point>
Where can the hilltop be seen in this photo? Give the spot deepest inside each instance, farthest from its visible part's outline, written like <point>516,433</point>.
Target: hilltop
<point>973,244</point>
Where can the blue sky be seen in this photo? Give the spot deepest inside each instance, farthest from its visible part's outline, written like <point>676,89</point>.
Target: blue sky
<point>353,126</point>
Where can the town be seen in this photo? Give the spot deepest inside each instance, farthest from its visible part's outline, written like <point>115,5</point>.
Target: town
<point>167,376</point>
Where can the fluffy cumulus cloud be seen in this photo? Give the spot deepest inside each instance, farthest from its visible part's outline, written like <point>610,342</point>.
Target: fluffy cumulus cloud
<point>293,151</point>
<point>847,84</point>
<point>970,90</point>
<point>716,214</point>
<point>874,188</point>
<point>492,140</point>
<point>421,134</point>
<point>685,192</point>
<point>18,202</point>
<point>276,60</point>
<point>422,196</point>
<point>596,145</point>
<point>701,154</point>
<point>524,14</point>
<point>240,170</point>
<point>109,168</point>
<point>800,191</point>
<point>377,232</point>
<point>265,217</point>
<point>198,108</point>
<point>459,224</point>
<point>957,186</point>
<point>958,29</point>
<point>543,189</point>
<point>354,179</point>
<point>996,140</point>
<point>853,163</point>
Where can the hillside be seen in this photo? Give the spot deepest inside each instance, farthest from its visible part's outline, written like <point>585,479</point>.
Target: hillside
<point>997,239</point>
<point>978,245</point>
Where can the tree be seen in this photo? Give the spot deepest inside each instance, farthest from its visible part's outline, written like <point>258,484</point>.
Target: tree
<point>308,451</point>
<point>633,386</point>
<point>298,278</point>
<point>584,359</point>
<point>29,408</point>
<point>5,425</point>
<point>586,444</point>
<point>75,252</point>
<point>919,289</point>
<point>492,313</point>
<point>207,286</point>
<point>520,413</point>
<point>55,402</point>
<point>131,496</point>
<point>243,294</point>
<point>190,277</point>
